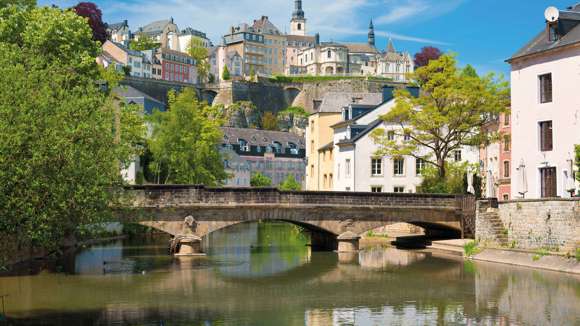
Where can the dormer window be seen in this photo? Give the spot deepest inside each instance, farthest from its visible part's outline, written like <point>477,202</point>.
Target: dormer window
<point>243,145</point>
<point>553,32</point>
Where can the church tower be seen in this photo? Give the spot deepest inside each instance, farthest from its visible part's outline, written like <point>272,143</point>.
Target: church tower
<point>298,22</point>
<point>371,34</point>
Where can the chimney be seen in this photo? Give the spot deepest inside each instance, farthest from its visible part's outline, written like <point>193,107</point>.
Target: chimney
<point>126,22</point>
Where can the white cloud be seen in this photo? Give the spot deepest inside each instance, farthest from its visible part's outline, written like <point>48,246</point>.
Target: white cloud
<point>415,10</point>
<point>333,19</point>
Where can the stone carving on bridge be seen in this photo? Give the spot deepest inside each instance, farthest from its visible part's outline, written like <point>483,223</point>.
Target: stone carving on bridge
<point>190,222</point>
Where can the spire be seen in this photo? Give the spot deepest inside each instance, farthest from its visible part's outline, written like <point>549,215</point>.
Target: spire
<point>298,13</point>
<point>390,46</point>
<point>371,33</point>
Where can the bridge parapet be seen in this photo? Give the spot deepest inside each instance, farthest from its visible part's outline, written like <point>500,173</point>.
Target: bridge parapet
<point>184,195</point>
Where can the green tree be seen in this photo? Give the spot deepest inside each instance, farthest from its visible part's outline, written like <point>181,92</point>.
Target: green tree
<point>185,141</point>
<point>577,147</point>
<point>63,139</point>
<point>290,184</point>
<point>269,121</point>
<point>454,182</point>
<point>22,4</point>
<point>252,73</point>
<point>226,73</point>
<point>143,42</point>
<point>450,112</point>
<point>200,54</point>
<point>260,180</point>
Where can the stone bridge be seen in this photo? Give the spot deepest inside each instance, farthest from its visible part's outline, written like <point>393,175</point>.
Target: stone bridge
<point>191,212</point>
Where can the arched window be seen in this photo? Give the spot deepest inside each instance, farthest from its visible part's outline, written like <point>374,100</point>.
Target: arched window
<point>299,26</point>
<point>277,147</point>
<point>293,148</point>
<point>328,54</point>
<point>243,145</point>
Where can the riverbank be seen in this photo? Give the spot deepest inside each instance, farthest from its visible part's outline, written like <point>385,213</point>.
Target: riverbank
<point>526,258</point>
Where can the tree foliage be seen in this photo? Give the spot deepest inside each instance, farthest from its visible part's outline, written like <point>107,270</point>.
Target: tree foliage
<point>577,148</point>
<point>22,4</point>
<point>269,121</point>
<point>290,184</point>
<point>200,54</point>
<point>62,139</point>
<point>454,182</point>
<point>226,73</point>
<point>185,141</point>
<point>450,113</point>
<point>143,42</point>
<point>260,180</point>
<point>94,15</point>
<point>426,54</point>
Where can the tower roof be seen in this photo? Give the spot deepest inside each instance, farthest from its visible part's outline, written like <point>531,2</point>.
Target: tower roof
<point>390,46</point>
<point>298,13</point>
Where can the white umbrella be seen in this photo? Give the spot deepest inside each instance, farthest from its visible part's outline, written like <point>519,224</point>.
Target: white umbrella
<point>470,188</point>
<point>522,179</point>
<point>489,191</point>
<point>569,181</point>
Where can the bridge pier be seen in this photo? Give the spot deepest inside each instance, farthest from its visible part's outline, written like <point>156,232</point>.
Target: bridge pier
<point>348,242</point>
<point>186,246</point>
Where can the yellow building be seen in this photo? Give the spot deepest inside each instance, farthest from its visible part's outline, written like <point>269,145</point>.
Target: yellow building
<point>319,136</point>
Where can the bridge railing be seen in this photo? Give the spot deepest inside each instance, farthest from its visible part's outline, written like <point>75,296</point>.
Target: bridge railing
<point>182,195</point>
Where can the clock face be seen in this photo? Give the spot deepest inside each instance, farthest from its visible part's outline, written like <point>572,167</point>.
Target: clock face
<point>552,14</point>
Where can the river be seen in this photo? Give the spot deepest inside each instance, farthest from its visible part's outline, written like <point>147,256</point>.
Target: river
<point>265,274</point>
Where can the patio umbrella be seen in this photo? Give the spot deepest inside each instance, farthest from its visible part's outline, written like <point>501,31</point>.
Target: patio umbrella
<point>489,187</point>
<point>470,188</point>
<point>522,179</point>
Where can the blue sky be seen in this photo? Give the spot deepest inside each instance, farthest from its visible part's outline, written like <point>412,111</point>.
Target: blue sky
<point>482,32</point>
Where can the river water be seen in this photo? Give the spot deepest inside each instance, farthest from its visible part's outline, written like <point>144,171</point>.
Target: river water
<point>265,274</point>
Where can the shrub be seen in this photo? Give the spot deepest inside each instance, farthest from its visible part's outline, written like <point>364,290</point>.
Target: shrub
<point>290,184</point>
<point>471,248</point>
<point>260,180</point>
<point>226,73</point>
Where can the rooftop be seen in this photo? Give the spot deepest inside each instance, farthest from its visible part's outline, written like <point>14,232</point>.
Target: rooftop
<point>569,25</point>
<point>361,48</point>
<point>260,137</point>
<point>335,101</point>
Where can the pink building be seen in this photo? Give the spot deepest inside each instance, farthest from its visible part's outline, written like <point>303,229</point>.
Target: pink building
<point>545,119</point>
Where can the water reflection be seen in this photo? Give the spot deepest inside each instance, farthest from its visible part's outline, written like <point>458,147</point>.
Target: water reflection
<point>264,274</point>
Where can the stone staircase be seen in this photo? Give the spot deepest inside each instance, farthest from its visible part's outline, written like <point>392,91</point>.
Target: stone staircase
<point>496,226</point>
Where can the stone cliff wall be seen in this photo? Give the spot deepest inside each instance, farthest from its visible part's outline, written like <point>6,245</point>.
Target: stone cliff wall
<point>530,224</point>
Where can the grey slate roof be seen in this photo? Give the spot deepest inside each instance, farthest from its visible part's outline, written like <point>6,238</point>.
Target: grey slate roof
<point>335,101</point>
<point>540,43</point>
<point>361,48</point>
<point>129,92</point>
<point>129,51</point>
<point>260,137</point>
<point>155,27</point>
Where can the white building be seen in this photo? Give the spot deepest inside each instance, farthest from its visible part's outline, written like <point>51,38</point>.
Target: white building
<point>546,108</point>
<point>356,166</point>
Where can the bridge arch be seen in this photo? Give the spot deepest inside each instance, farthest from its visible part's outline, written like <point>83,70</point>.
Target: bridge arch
<point>208,95</point>
<point>290,94</point>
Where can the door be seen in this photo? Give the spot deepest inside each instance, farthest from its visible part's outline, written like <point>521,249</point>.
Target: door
<point>548,179</point>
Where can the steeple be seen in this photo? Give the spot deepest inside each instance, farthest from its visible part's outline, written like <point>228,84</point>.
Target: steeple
<point>298,13</point>
<point>298,22</point>
<point>371,33</point>
<point>390,46</point>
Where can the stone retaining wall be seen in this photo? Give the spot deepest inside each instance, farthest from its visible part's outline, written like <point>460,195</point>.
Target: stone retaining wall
<point>552,224</point>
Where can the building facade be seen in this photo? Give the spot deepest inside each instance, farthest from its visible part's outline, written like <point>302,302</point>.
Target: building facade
<point>319,136</point>
<point>357,167</point>
<point>176,66</point>
<point>546,109</point>
<point>119,32</point>
<point>138,65</point>
<point>274,154</point>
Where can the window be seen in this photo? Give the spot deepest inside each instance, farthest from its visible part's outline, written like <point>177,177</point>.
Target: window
<point>545,88</point>
<point>376,188</point>
<point>419,166</point>
<point>299,26</point>
<point>391,135</point>
<point>506,169</point>
<point>548,181</point>
<point>399,189</point>
<point>546,141</point>
<point>328,54</point>
<point>506,120</point>
<point>243,145</point>
<point>376,166</point>
<point>506,197</point>
<point>457,155</point>
<point>407,136</point>
<point>506,143</point>
<point>399,166</point>
<point>347,168</point>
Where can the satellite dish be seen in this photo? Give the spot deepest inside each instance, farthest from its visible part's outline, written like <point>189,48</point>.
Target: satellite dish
<point>552,14</point>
